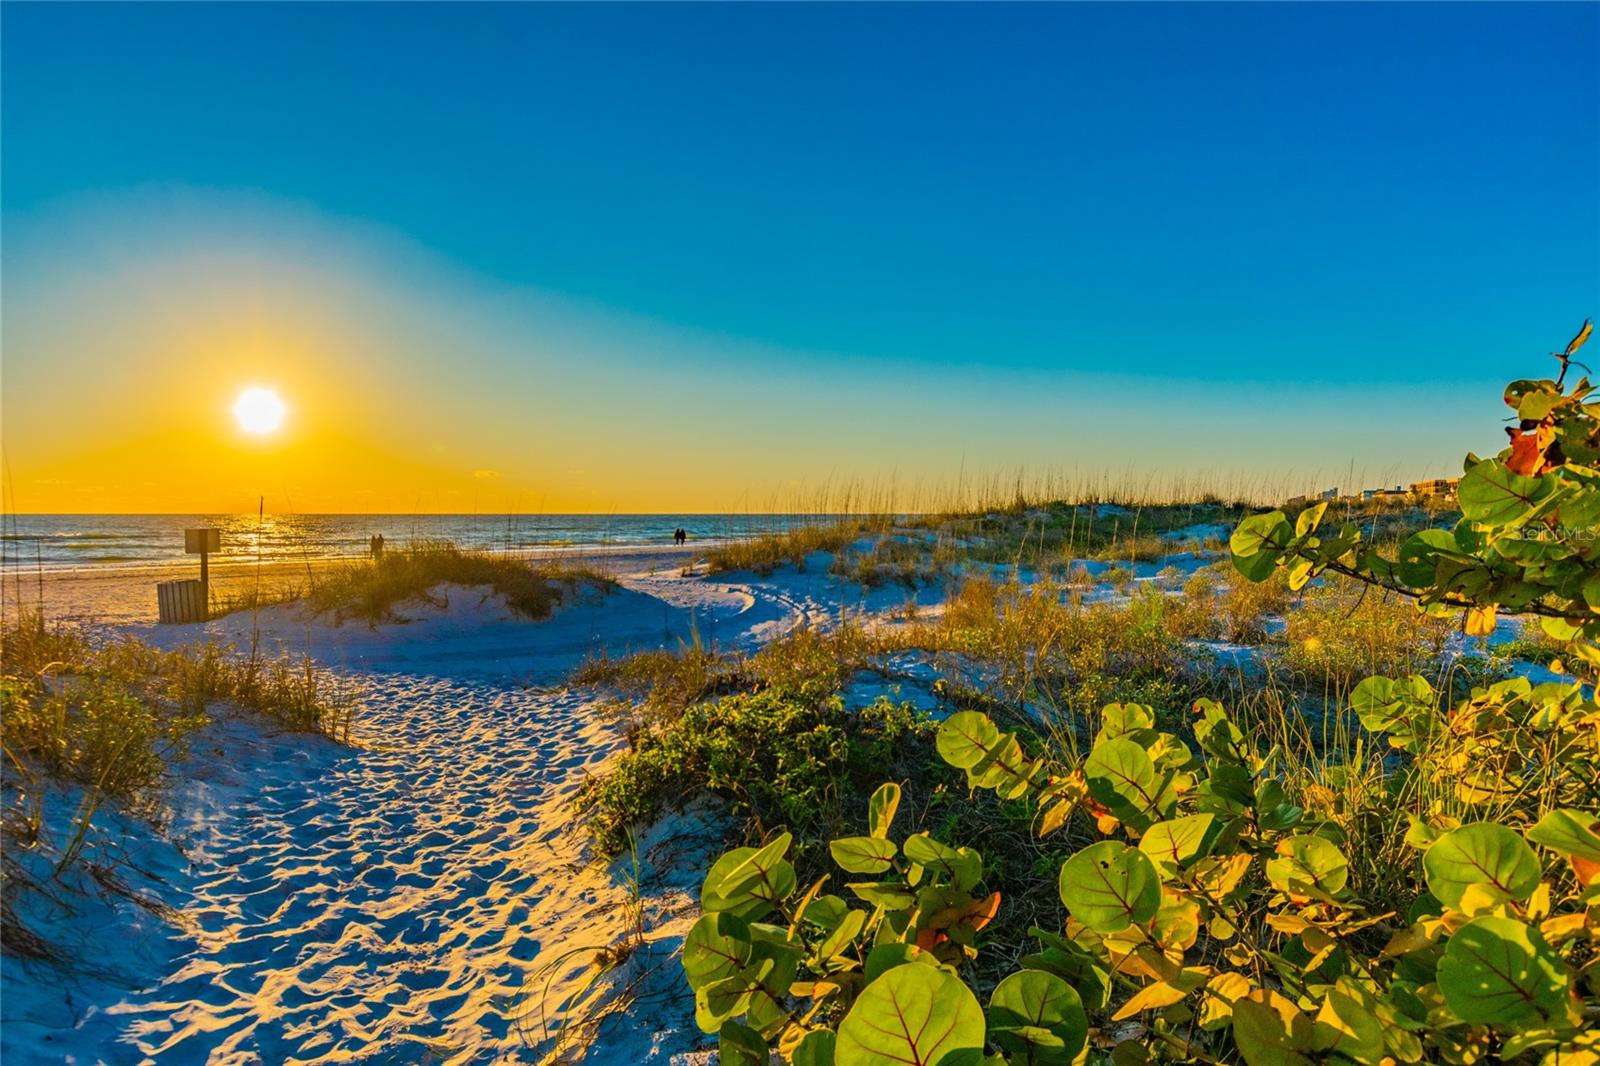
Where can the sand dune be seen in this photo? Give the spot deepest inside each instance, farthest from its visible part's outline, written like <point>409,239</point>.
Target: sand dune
<point>427,894</point>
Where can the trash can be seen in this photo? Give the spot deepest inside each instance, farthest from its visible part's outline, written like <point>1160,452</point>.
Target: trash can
<point>181,601</point>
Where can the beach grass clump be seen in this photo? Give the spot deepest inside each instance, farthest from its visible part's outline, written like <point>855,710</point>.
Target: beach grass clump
<point>1030,643</point>
<point>371,590</point>
<point>1338,635</point>
<point>1220,604</point>
<point>765,552</point>
<point>1049,533</point>
<point>94,732</point>
<point>113,715</point>
<point>908,561</point>
<point>76,713</point>
<point>666,682</point>
<point>106,722</point>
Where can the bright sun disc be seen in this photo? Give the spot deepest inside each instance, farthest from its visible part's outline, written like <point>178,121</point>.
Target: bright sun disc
<point>258,410</point>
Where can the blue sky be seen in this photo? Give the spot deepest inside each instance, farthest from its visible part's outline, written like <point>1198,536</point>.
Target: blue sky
<point>1396,198</point>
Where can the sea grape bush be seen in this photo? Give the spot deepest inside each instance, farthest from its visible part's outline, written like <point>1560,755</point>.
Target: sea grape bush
<point>1528,541</point>
<point>1218,918</point>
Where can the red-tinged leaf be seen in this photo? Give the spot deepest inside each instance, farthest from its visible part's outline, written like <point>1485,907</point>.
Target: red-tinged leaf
<point>975,915</point>
<point>1528,451</point>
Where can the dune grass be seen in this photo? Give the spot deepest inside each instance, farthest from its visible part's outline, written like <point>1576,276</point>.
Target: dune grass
<point>765,552</point>
<point>106,722</point>
<point>372,590</point>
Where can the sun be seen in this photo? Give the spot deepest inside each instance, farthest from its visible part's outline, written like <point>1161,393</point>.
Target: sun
<point>259,410</point>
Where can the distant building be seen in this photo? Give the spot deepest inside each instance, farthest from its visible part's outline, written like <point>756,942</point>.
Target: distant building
<point>1439,488</point>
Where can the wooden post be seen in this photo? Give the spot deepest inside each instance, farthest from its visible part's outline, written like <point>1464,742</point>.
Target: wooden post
<point>203,542</point>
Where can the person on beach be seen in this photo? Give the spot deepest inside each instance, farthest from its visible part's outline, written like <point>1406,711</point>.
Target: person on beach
<point>679,535</point>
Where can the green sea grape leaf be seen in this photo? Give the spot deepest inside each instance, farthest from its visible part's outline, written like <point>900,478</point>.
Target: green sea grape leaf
<point>1120,719</point>
<point>1109,886</point>
<point>863,855</point>
<point>1036,1017</point>
<point>740,1045</point>
<point>840,939</point>
<point>891,953</point>
<point>1006,769</point>
<point>826,912</point>
<point>765,1015</point>
<point>718,946</point>
<point>881,809</point>
<point>1403,708</point>
<point>814,1049</point>
<point>1347,1024</point>
<point>890,895</point>
<point>920,1015</point>
<point>721,1000</point>
<point>1122,777</point>
<point>1574,835</point>
<point>1308,865</point>
<point>775,959</point>
<point>1483,853</point>
<point>749,882</point>
<point>1419,556</point>
<point>966,738</point>
<point>1258,542</point>
<point>962,866</point>
<point>1271,1033</point>
<point>1307,521</point>
<point>1491,495</point>
<point>1497,970</point>
<point>1172,843</point>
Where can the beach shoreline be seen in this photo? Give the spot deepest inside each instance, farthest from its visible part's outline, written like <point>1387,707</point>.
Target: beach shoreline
<point>126,595</point>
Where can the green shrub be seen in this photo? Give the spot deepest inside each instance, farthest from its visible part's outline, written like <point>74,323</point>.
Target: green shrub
<point>1226,918</point>
<point>782,758</point>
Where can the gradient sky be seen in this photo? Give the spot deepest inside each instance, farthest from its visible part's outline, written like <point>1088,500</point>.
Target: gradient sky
<point>669,258</point>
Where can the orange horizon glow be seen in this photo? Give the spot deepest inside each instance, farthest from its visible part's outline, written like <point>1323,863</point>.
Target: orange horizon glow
<point>408,386</point>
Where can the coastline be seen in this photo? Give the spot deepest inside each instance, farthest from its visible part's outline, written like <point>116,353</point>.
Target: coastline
<point>126,595</point>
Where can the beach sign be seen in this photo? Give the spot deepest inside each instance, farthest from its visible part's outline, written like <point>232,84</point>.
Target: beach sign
<point>191,604</point>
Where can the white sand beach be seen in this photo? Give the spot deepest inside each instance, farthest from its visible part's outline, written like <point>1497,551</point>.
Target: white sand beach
<point>426,894</point>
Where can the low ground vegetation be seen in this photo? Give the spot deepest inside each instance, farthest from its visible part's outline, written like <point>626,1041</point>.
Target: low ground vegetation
<point>1370,850</point>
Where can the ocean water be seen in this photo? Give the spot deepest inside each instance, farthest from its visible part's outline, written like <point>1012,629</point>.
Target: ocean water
<point>71,542</point>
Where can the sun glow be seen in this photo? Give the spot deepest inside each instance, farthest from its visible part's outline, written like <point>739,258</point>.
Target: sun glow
<point>259,410</point>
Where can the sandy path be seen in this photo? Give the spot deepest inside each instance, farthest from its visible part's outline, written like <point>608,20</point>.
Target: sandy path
<point>394,904</point>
